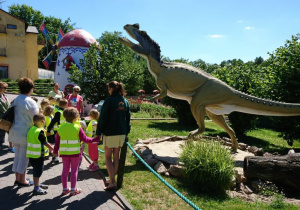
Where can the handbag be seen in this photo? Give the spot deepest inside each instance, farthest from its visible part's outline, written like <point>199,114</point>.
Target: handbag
<point>7,119</point>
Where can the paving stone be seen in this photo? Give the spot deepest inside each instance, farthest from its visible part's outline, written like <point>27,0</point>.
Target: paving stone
<point>92,197</point>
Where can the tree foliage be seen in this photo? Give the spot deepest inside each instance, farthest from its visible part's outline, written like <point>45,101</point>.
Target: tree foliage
<point>35,18</point>
<point>113,62</point>
<point>285,66</point>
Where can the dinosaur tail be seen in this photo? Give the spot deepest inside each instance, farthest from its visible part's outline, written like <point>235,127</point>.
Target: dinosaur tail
<point>254,105</point>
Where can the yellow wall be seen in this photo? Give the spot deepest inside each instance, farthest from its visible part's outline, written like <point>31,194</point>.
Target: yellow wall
<point>21,49</point>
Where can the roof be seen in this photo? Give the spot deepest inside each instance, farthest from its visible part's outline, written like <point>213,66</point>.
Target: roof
<point>32,29</point>
<point>77,37</point>
<point>26,24</point>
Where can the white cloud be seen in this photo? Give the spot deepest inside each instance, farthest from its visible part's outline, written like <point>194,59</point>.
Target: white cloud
<point>249,27</point>
<point>239,21</point>
<point>215,36</point>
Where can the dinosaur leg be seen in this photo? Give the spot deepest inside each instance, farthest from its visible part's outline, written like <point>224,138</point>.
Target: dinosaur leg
<point>220,121</point>
<point>198,112</point>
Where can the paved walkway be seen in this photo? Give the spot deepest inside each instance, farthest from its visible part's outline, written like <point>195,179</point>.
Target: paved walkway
<point>93,195</point>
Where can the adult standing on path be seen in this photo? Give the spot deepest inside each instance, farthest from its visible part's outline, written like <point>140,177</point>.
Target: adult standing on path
<point>4,104</point>
<point>75,100</point>
<point>56,93</point>
<point>25,109</point>
<point>114,124</point>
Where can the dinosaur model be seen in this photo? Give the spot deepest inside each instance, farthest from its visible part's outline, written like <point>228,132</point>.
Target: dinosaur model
<point>205,94</point>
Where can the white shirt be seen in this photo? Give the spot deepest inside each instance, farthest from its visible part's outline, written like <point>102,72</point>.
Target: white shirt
<point>25,109</point>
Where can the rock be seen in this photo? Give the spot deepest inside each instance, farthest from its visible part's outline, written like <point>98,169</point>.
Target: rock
<point>151,162</point>
<point>139,141</point>
<point>242,146</point>
<point>176,170</point>
<point>148,157</point>
<point>238,176</point>
<point>167,174</point>
<point>160,168</point>
<point>181,163</point>
<point>145,153</point>
<point>291,151</point>
<point>267,154</point>
<point>246,189</point>
<point>257,184</point>
<point>252,149</point>
<point>256,151</point>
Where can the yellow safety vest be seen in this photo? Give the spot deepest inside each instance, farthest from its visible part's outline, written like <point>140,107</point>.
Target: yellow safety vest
<point>90,132</point>
<point>62,120</point>
<point>48,121</point>
<point>34,146</point>
<point>69,139</point>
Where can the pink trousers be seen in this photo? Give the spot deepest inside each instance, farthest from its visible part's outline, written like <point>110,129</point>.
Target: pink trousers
<point>93,151</point>
<point>73,163</point>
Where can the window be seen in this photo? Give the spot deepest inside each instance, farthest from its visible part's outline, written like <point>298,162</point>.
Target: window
<point>10,26</point>
<point>3,72</point>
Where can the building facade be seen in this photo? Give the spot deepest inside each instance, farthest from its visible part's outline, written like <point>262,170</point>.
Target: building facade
<point>18,48</point>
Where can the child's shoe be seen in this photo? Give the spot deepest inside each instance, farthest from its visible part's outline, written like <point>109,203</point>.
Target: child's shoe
<point>65,192</point>
<point>90,166</point>
<point>40,191</point>
<point>94,168</point>
<point>55,160</point>
<point>43,186</point>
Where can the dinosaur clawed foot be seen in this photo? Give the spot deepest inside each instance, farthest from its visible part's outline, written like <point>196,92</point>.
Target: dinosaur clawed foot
<point>194,133</point>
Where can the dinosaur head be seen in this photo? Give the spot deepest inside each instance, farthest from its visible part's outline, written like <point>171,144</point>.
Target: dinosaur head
<point>145,47</point>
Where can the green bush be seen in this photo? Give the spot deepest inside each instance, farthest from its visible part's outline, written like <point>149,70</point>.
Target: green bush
<point>157,110</point>
<point>208,166</point>
<point>183,111</point>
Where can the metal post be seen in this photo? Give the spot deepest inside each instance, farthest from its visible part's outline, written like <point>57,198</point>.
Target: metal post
<point>122,164</point>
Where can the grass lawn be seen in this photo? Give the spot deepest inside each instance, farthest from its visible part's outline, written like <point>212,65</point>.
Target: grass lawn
<point>144,191</point>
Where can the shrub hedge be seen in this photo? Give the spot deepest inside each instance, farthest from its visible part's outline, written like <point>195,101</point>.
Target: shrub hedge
<point>209,166</point>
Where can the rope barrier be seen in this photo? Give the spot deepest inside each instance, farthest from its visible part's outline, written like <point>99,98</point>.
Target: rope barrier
<point>162,180</point>
<point>100,150</point>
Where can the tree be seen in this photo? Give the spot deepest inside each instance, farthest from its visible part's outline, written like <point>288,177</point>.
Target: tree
<point>35,18</point>
<point>113,62</point>
<point>285,66</point>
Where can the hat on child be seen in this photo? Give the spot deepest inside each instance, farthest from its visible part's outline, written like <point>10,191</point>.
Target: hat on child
<point>76,87</point>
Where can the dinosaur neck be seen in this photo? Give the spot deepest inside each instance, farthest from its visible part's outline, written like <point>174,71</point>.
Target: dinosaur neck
<point>154,66</point>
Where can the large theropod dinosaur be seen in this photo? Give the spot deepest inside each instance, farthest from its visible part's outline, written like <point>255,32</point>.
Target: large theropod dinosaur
<point>205,94</point>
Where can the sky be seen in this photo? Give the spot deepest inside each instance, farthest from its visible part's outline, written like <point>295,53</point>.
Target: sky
<point>210,30</point>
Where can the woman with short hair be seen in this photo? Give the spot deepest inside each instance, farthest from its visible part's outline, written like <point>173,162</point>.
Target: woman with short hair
<point>56,93</point>
<point>4,105</point>
<point>25,109</point>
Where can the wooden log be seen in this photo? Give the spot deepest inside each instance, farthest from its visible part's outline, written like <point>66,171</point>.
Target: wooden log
<point>283,170</point>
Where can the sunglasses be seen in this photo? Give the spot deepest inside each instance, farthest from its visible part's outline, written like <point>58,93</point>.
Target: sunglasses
<point>4,88</point>
<point>77,91</point>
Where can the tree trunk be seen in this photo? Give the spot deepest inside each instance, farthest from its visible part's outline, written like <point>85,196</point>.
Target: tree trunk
<point>282,169</point>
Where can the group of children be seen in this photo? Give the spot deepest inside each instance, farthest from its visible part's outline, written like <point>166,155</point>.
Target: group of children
<point>58,131</point>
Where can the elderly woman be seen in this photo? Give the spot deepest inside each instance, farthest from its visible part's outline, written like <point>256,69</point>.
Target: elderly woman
<point>75,100</point>
<point>114,124</point>
<point>25,109</point>
<point>56,93</point>
<point>4,104</point>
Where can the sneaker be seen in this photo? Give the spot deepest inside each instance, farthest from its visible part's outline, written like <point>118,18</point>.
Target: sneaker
<point>55,160</point>
<point>43,186</point>
<point>94,168</point>
<point>40,191</point>
<point>90,166</point>
<point>12,150</point>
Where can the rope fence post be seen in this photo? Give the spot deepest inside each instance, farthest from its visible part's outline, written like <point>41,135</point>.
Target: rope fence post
<point>122,164</point>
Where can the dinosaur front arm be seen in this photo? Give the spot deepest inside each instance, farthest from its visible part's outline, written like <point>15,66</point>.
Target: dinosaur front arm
<point>163,93</point>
